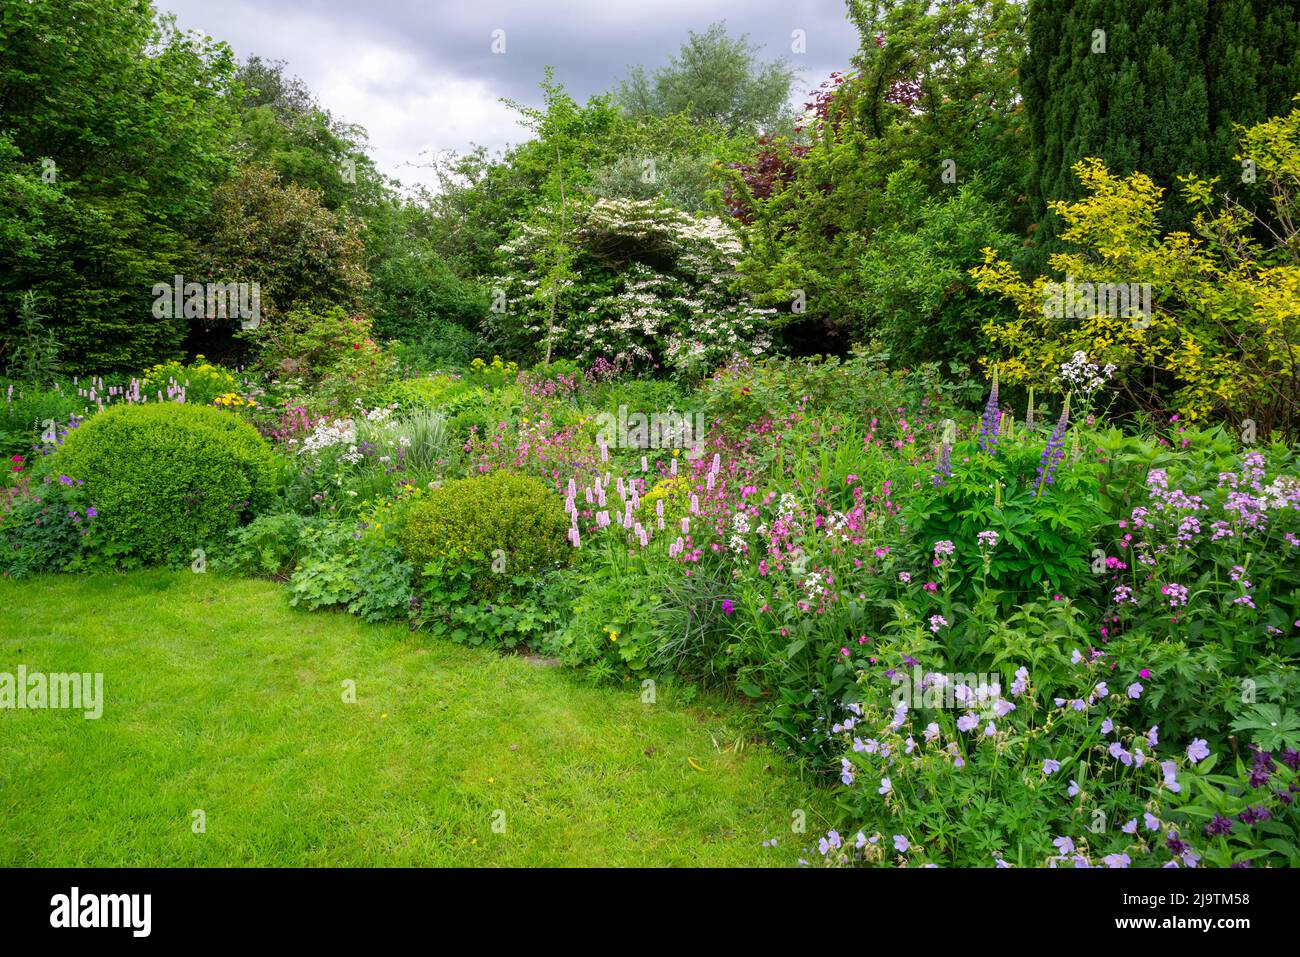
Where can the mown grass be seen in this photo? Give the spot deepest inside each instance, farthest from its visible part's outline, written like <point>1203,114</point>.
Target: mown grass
<point>220,697</point>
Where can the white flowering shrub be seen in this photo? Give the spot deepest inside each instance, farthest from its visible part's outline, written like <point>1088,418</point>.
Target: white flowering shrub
<point>651,286</point>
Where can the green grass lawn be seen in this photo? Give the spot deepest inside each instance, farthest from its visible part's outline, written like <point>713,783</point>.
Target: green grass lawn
<point>218,696</point>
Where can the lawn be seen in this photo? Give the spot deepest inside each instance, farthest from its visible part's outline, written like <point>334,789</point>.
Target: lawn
<point>220,697</point>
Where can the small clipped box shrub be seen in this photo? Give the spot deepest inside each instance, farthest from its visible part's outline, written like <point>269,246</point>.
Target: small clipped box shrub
<point>168,477</point>
<point>675,493</point>
<point>472,518</point>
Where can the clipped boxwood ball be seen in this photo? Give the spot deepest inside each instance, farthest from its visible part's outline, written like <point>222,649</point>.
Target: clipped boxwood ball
<point>168,477</point>
<point>473,517</point>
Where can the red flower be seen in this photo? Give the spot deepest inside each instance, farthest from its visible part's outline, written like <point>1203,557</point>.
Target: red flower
<point>356,345</point>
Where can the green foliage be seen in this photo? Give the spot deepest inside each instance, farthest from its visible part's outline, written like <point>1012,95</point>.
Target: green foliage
<point>714,79</point>
<point>675,493</point>
<point>619,622</point>
<point>427,392</point>
<point>116,128</point>
<point>1042,783</point>
<point>202,381</point>
<point>682,180</point>
<point>326,357</point>
<point>384,589</point>
<point>325,575</point>
<point>1201,582</point>
<point>46,528</point>
<point>1045,541</point>
<point>860,387</point>
<point>1235,799</point>
<point>1162,98</point>
<point>415,294</point>
<point>25,412</point>
<point>445,346</point>
<point>168,478</point>
<point>277,234</point>
<point>367,465</point>
<point>269,545</point>
<point>895,171</point>
<point>918,298</point>
<point>32,351</point>
<point>339,567</point>
<point>478,199</point>
<point>486,519</point>
<point>283,127</point>
<point>449,605</point>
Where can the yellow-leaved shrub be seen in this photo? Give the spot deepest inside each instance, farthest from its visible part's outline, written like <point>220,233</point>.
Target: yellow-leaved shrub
<point>1222,339</point>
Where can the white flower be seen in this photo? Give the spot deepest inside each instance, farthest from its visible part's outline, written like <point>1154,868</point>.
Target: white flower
<point>1083,376</point>
<point>328,434</point>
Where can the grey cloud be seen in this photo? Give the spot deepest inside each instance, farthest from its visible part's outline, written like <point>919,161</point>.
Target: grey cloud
<point>422,74</point>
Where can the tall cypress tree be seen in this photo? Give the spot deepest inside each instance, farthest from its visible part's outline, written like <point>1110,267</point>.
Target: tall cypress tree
<point>1152,85</point>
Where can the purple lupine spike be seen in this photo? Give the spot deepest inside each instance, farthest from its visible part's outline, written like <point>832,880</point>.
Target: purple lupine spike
<point>1054,451</point>
<point>992,420</point>
<point>943,468</point>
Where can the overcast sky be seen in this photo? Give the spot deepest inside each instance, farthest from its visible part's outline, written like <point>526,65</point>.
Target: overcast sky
<point>420,75</point>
